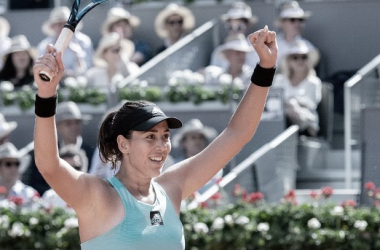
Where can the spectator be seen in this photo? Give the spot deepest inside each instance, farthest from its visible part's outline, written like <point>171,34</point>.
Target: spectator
<point>78,55</point>
<point>111,61</point>
<point>6,129</point>
<point>78,160</point>
<point>5,40</point>
<point>18,62</point>
<point>121,21</point>
<point>69,121</point>
<point>191,139</point>
<point>237,20</point>
<point>12,164</point>
<point>173,23</point>
<point>291,21</point>
<point>302,88</point>
<point>235,51</point>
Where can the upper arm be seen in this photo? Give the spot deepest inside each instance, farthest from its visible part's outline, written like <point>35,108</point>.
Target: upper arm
<point>191,174</point>
<point>76,188</point>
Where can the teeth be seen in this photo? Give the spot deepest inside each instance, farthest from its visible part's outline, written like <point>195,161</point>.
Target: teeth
<point>156,159</point>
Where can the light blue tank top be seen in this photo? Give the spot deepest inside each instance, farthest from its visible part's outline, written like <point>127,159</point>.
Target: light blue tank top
<point>145,226</point>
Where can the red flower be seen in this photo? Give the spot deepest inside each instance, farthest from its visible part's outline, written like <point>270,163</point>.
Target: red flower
<point>216,196</point>
<point>203,204</point>
<point>244,196</point>
<point>291,197</point>
<point>313,194</point>
<point>256,196</point>
<point>327,192</point>
<point>16,200</point>
<point>3,190</point>
<point>370,185</point>
<point>348,203</point>
<point>238,190</point>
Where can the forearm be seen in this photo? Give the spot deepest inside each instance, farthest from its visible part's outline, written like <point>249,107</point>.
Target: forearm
<point>45,144</point>
<point>246,118</point>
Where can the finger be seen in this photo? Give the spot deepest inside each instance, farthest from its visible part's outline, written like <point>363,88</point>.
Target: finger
<point>50,49</point>
<point>271,37</point>
<point>49,66</point>
<point>253,37</point>
<point>263,34</point>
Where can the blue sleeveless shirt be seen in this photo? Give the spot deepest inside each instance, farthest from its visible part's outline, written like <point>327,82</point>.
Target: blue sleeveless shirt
<point>144,226</point>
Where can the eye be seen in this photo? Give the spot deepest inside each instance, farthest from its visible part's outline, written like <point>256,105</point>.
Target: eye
<point>166,136</point>
<point>151,136</point>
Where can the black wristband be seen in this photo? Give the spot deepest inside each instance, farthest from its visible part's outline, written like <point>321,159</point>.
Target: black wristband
<point>45,107</point>
<point>263,77</point>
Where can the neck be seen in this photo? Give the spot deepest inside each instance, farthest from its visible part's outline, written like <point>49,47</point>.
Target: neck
<point>68,141</point>
<point>141,189</point>
<point>111,71</point>
<point>173,39</point>
<point>20,73</point>
<point>234,72</point>
<point>297,78</point>
<point>290,37</point>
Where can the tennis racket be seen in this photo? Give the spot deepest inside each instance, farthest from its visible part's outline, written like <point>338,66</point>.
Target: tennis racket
<point>69,29</point>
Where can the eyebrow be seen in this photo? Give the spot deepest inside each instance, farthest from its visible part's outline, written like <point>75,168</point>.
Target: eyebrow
<point>155,130</point>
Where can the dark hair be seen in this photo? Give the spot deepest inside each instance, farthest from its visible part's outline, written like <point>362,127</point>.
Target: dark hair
<point>111,127</point>
<point>8,71</point>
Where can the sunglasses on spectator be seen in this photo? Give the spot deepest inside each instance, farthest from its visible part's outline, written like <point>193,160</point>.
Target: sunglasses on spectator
<point>293,20</point>
<point>236,26</point>
<point>298,57</point>
<point>174,22</point>
<point>10,164</point>
<point>116,50</point>
<point>79,168</point>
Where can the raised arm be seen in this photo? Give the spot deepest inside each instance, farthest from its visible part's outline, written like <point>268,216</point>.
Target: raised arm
<point>64,179</point>
<point>194,172</point>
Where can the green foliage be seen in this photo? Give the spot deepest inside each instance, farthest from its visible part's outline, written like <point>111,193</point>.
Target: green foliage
<point>196,94</point>
<point>248,224</point>
<point>37,228</point>
<point>281,226</point>
<point>87,95</point>
<point>24,98</point>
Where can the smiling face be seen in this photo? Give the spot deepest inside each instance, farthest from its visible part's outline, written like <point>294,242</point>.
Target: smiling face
<point>145,153</point>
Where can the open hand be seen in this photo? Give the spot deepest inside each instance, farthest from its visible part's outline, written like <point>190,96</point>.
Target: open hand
<point>51,63</point>
<point>265,44</point>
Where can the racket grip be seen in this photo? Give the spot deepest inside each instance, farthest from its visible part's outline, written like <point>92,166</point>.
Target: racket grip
<point>60,45</point>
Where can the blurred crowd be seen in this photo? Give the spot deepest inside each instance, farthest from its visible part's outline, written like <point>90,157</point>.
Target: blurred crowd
<point>120,53</point>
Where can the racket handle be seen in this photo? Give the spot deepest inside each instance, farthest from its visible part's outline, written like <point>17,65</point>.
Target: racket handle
<point>60,45</point>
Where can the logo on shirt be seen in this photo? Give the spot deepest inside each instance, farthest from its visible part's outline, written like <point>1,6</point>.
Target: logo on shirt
<point>155,218</point>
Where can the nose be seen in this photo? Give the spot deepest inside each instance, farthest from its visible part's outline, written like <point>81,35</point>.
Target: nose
<point>163,145</point>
